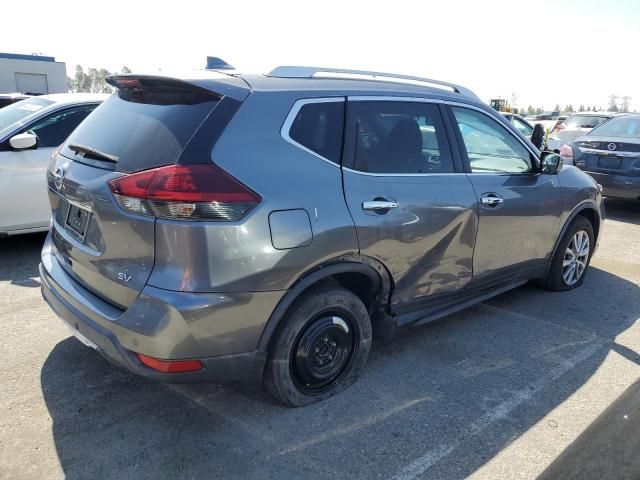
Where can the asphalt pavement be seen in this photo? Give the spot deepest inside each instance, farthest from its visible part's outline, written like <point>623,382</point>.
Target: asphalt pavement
<point>498,391</point>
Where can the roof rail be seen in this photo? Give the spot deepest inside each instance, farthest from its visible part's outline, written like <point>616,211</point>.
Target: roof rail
<point>344,74</point>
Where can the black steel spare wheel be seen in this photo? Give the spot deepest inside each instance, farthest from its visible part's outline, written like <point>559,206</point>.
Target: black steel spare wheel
<point>319,348</point>
<point>324,351</point>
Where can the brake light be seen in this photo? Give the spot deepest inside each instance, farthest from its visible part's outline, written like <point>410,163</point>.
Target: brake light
<point>170,366</point>
<point>558,127</point>
<point>566,152</point>
<point>193,192</point>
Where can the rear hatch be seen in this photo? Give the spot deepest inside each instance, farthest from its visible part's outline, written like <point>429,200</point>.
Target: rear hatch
<point>148,123</point>
<point>608,155</point>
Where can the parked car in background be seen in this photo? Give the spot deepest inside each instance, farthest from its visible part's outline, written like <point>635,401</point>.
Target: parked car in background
<point>9,98</point>
<point>548,115</point>
<point>522,125</point>
<point>30,130</point>
<point>241,227</point>
<point>575,126</point>
<point>610,153</point>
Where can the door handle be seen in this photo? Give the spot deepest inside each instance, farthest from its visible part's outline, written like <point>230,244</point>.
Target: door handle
<point>491,200</point>
<point>379,205</point>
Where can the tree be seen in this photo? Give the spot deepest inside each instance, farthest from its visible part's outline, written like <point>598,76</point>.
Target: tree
<point>530,110</point>
<point>568,109</point>
<point>93,81</point>
<point>581,109</point>
<point>125,69</point>
<point>594,109</point>
<point>557,109</point>
<point>539,110</point>
<point>588,108</point>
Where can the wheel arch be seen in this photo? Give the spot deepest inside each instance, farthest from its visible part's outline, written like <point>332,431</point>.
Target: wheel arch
<point>348,272</point>
<point>587,209</point>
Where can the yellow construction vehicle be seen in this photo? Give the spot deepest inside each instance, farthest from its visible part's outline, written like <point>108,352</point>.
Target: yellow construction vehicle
<point>502,105</point>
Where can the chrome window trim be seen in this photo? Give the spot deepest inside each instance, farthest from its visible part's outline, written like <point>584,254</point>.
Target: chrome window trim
<point>293,113</point>
<point>372,174</point>
<point>392,98</point>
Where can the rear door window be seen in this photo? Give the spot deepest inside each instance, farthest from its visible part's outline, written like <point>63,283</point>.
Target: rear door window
<point>318,127</point>
<point>55,128</point>
<point>399,137</point>
<point>143,128</point>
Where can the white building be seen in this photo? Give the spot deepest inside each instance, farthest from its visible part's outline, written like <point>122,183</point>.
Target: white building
<point>31,73</point>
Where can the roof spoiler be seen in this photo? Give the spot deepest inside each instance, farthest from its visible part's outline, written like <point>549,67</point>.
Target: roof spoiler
<point>201,81</point>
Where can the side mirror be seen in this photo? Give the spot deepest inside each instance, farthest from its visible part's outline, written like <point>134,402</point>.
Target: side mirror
<point>23,141</point>
<point>537,136</point>
<point>551,163</point>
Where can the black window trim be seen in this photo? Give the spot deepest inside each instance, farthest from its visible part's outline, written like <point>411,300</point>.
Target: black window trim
<point>463,148</point>
<point>293,113</point>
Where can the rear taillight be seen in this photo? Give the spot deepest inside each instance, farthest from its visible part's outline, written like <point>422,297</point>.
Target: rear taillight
<point>192,192</point>
<point>558,127</point>
<point>566,152</point>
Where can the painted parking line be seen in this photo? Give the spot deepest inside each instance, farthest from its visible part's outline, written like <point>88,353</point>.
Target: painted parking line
<point>423,463</point>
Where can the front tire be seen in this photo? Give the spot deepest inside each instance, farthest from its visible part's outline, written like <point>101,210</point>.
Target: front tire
<point>320,348</point>
<point>571,261</point>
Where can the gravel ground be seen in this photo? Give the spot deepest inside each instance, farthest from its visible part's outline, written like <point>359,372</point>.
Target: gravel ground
<point>497,391</point>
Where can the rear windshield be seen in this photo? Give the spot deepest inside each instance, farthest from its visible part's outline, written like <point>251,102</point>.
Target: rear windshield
<point>628,127</point>
<point>584,121</point>
<point>142,128</point>
<point>17,112</point>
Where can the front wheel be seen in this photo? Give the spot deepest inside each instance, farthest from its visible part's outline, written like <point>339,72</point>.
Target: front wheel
<point>320,348</point>
<point>571,260</point>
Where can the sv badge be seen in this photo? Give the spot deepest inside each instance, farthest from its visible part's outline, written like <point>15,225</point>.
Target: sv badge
<point>124,277</point>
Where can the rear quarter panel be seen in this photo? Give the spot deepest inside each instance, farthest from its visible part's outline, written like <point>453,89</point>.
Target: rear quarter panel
<point>240,256</point>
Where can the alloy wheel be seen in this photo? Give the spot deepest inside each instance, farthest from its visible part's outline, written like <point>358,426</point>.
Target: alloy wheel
<point>576,257</point>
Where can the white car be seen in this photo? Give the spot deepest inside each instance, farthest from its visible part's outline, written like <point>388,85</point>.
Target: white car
<point>30,130</point>
<point>575,126</point>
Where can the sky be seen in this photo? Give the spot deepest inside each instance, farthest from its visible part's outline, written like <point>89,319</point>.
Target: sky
<point>547,52</point>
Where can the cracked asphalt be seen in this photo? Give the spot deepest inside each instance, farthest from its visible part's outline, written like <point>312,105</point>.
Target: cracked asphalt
<point>498,391</point>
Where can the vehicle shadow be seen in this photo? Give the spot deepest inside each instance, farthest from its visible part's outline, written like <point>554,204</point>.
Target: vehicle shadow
<point>441,400</point>
<point>19,259</point>
<point>621,211</point>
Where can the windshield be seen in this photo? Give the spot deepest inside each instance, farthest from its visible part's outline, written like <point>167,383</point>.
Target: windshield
<point>18,111</point>
<point>628,127</point>
<point>584,121</point>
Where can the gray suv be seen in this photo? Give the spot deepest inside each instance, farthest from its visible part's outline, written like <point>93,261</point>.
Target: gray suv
<point>263,228</point>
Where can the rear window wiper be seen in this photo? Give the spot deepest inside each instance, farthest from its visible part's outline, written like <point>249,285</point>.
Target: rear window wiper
<point>97,154</point>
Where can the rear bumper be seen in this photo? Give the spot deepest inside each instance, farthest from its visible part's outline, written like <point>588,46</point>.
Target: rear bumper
<point>618,186</point>
<point>205,330</point>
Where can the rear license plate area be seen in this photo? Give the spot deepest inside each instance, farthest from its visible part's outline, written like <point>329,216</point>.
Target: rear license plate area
<point>77,221</point>
<point>614,163</point>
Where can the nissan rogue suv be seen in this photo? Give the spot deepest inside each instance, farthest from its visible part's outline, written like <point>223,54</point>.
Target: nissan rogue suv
<point>262,228</point>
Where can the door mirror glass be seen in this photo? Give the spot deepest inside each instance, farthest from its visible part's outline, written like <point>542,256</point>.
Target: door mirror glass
<point>551,163</point>
<point>23,141</point>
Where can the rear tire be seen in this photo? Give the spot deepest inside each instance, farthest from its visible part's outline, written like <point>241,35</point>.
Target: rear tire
<point>571,260</point>
<point>320,348</point>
